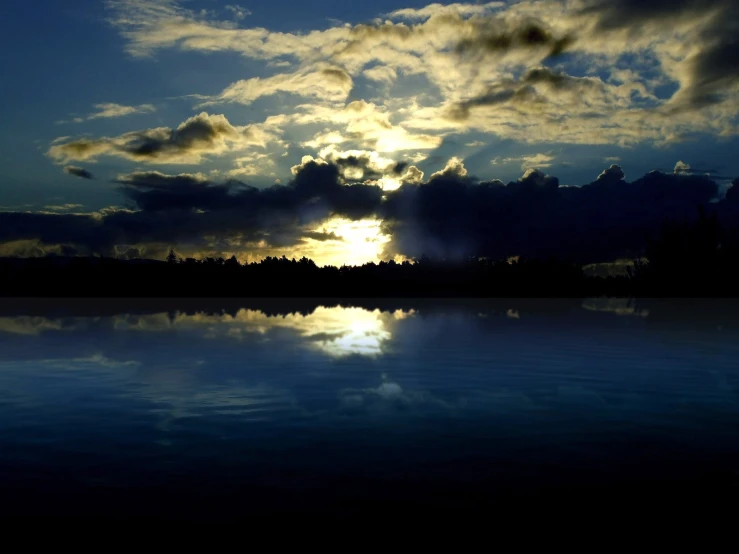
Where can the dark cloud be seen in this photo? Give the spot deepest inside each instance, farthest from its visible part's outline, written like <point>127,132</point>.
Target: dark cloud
<point>525,90</point>
<point>612,174</point>
<point>399,168</point>
<point>363,163</point>
<point>493,36</point>
<point>337,75</point>
<point>455,216</point>
<point>732,195</point>
<point>199,135</point>
<point>321,183</point>
<point>154,191</point>
<point>78,172</point>
<point>535,180</point>
<point>186,208</point>
<point>712,70</point>
<point>615,14</point>
<point>317,187</point>
<point>716,67</point>
<point>451,214</point>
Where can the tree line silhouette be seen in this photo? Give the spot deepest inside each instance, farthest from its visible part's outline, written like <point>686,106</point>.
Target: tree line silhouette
<point>698,258</point>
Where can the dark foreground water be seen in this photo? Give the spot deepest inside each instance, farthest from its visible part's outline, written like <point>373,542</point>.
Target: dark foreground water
<point>424,426</point>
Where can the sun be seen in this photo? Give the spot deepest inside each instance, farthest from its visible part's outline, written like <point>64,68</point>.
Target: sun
<point>358,242</point>
<point>389,184</point>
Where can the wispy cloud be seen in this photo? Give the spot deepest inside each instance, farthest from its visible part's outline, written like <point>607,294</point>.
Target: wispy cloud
<point>62,207</point>
<point>111,110</point>
<point>238,12</point>
<point>531,161</point>
<point>440,9</point>
<point>78,172</point>
<point>322,83</point>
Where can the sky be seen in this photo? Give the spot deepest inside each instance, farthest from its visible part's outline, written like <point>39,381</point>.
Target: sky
<point>359,131</point>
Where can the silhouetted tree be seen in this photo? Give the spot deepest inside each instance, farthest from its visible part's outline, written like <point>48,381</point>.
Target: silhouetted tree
<point>233,263</point>
<point>686,259</point>
<point>699,258</point>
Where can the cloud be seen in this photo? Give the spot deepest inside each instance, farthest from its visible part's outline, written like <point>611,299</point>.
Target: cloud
<point>62,208</point>
<point>535,179</point>
<point>732,195</point>
<point>626,73</point>
<point>451,214</point>
<point>381,74</point>
<point>454,215</point>
<point>486,67</point>
<point>359,165</point>
<point>527,162</point>
<point>500,37</point>
<point>78,172</point>
<point>252,164</point>
<point>316,192</point>
<point>366,166</point>
<point>238,12</point>
<point>682,167</point>
<point>703,62</point>
<point>364,124</point>
<point>413,176</point>
<point>190,210</point>
<point>199,136</point>
<point>328,83</point>
<point>151,25</point>
<point>612,174</point>
<point>453,169</point>
<point>111,110</point>
<point>537,86</point>
<point>439,9</point>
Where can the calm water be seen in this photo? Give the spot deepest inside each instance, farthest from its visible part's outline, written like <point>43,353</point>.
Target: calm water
<point>407,427</point>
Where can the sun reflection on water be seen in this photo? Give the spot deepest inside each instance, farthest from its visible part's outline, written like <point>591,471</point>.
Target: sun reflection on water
<point>335,331</point>
<point>351,331</point>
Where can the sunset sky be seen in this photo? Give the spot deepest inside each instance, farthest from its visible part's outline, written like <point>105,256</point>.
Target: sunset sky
<point>339,130</point>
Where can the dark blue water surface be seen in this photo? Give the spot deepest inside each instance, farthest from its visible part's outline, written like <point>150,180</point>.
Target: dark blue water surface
<point>422,426</point>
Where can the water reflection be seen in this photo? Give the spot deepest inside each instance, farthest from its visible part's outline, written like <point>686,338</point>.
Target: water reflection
<point>336,331</point>
<point>243,407</point>
<point>25,325</point>
<point>618,306</point>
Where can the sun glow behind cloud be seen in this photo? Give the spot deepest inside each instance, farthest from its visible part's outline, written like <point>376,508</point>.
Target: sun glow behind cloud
<point>359,242</point>
<point>389,183</point>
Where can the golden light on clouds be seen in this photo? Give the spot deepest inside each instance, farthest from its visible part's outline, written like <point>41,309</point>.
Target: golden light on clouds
<point>498,89</point>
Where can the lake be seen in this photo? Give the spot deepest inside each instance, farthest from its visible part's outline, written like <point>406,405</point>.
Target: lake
<point>413,425</point>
